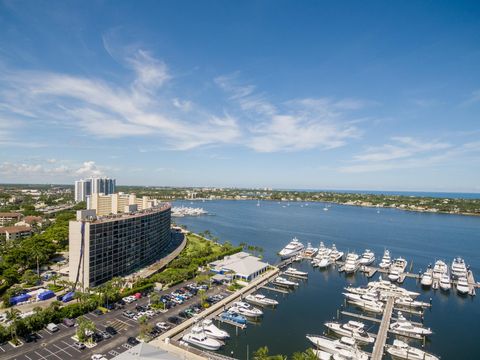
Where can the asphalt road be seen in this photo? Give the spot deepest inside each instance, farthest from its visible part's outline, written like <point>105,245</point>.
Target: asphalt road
<point>59,345</point>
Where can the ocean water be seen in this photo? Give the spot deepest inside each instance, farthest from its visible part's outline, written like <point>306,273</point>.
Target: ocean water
<point>421,238</point>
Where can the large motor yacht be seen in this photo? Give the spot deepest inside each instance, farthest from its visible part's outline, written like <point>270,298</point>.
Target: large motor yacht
<point>293,248</point>
<point>322,251</point>
<point>234,317</point>
<point>459,269</point>
<point>198,338</point>
<point>386,260</point>
<point>344,348</point>
<point>384,287</point>
<point>445,284</point>
<point>353,329</point>
<point>403,326</point>
<point>401,350</point>
<point>462,286</point>
<point>280,281</point>
<point>335,255</point>
<point>212,331</point>
<point>408,303</point>
<point>427,278</point>
<point>368,257</point>
<point>368,305</point>
<point>294,272</point>
<point>323,262</point>
<point>262,300</point>
<point>310,251</point>
<point>439,269</point>
<point>397,269</point>
<point>351,263</point>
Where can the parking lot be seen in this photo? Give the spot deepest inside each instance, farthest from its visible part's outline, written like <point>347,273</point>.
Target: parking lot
<point>60,345</point>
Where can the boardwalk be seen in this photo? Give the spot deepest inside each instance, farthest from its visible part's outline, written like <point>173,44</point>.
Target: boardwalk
<point>383,330</point>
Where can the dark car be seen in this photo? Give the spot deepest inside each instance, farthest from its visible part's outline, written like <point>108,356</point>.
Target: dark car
<point>132,341</point>
<point>140,308</point>
<point>69,322</point>
<point>96,337</point>
<point>109,306</point>
<point>111,330</point>
<point>183,314</point>
<point>174,320</point>
<point>31,337</point>
<point>97,312</point>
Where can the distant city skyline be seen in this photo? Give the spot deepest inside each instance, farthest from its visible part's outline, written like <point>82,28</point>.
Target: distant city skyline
<point>296,95</point>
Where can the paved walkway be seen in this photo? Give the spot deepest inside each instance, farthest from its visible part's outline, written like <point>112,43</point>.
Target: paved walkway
<point>381,339</point>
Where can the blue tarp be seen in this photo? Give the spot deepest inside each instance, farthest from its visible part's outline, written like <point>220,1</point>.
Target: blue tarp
<point>46,295</point>
<point>19,298</point>
<point>68,297</point>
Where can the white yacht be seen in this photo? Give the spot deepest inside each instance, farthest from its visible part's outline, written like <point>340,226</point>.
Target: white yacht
<point>323,262</point>
<point>394,275</point>
<point>397,268</point>
<point>462,286</point>
<point>310,251</point>
<point>197,337</point>
<point>384,287</point>
<point>459,269</point>
<point>445,284</point>
<point>403,326</point>
<point>344,348</point>
<point>353,329</point>
<point>295,272</point>
<point>364,297</point>
<point>439,269</point>
<point>322,251</point>
<point>262,300</point>
<point>368,305</point>
<point>246,309</point>
<point>368,257</point>
<point>335,255</point>
<point>386,260</point>
<point>212,331</point>
<point>280,281</point>
<point>427,278</point>
<point>408,302</point>
<point>351,263</point>
<point>401,350</point>
<point>293,248</point>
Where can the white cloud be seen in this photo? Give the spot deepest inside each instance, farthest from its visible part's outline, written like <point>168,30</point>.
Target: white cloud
<point>89,168</point>
<point>409,153</point>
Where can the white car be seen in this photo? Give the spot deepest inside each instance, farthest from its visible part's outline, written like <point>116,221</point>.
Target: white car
<point>150,313</point>
<point>163,326</point>
<point>98,357</point>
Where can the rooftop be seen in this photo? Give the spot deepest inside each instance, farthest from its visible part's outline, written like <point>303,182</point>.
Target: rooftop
<point>14,229</point>
<point>144,351</point>
<point>10,214</point>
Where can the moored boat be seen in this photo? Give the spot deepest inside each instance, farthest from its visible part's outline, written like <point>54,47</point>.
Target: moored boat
<point>351,263</point>
<point>353,329</point>
<point>405,327</point>
<point>386,260</point>
<point>401,350</point>
<point>459,269</point>
<point>462,286</point>
<point>197,337</point>
<point>368,257</point>
<point>295,272</point>
<point>344,348</point>
<point>280,281</point>
<point>293,248</point>
<point>445,284</point>
<point>234,317</point>
<point>262,300</point>
<point>213,331</point>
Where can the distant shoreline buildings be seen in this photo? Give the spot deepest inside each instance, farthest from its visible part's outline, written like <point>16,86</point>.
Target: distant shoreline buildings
<point>94,185</point>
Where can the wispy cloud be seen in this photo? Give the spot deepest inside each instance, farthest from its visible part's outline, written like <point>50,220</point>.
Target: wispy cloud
<point>408,153</point>
<point>292,125</point>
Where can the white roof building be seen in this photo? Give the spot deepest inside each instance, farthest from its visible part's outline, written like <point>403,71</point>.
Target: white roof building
<point>144,351</point>
<point>243,265</point>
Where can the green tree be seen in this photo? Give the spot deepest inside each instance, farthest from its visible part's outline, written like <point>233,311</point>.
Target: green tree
<point>145,327</point>
<point>13,315</point>
<point>308,354</point>
<point>30,278</point>
<point>84,328</point>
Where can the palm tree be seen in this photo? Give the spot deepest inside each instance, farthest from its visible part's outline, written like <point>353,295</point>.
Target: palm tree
<point>13,315</point>
<point>261,354</point>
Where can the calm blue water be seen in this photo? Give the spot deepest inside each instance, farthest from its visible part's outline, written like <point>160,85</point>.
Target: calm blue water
<point>419,237</point>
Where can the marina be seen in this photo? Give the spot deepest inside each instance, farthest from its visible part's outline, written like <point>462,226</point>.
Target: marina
<point>329,283</point>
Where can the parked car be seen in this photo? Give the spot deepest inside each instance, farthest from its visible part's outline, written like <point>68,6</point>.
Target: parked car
<point>163,326</point>
<point>79,345</point>
<point>129,314</point>
<point>96,337</point>
<point>98,357</point>
<point>105,334</point>
<point>69,322</point>
<point>97,312</point>
<point>174,320</point>
<point>30,337</point>
<point>111,330</point>
<point>52,327</point>
<point>132,341</point>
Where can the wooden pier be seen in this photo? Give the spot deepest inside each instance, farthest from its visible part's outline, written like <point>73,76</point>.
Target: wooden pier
<point>383,330</point>
<point>275,289</point>
<point>301,277</point>
<point>233,323</point>
<point>360,316</point>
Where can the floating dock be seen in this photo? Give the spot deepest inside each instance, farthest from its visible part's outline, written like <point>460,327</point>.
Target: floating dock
<point>229,322</point>
<point>381,339</point>
<point>301,277</point>
<point>275,289</point>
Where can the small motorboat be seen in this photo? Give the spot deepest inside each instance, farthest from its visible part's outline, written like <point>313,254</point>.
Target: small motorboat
<point>280,281</point>
<point>234,317</point>
<point>404,327</point>
<point>353,329</point>
<point>445,284</point>
<point>368,257</point>
<point>262,300</point>
<point>408,302</point>
<point>401,350</point>
<point>427,278</point>
<point>212,331</point>
<point>462,286</point>
<point>246,309</point>
<point>198,338</point>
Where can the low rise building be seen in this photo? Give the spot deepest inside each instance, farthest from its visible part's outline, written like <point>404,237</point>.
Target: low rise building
<point>241,266</point>
<point>9,217</point>
<point>15,232</point>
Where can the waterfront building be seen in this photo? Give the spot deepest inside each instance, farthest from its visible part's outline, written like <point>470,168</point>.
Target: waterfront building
<point>8,217</point>
<point>241,266</point>
<point>15,232</point>
<point>101,248</point>
<point>94,185</point>
<point>117,203</point>
<point>144,351</point>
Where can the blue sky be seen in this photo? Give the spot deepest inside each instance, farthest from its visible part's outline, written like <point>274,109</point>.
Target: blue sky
<point>284,94</point>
